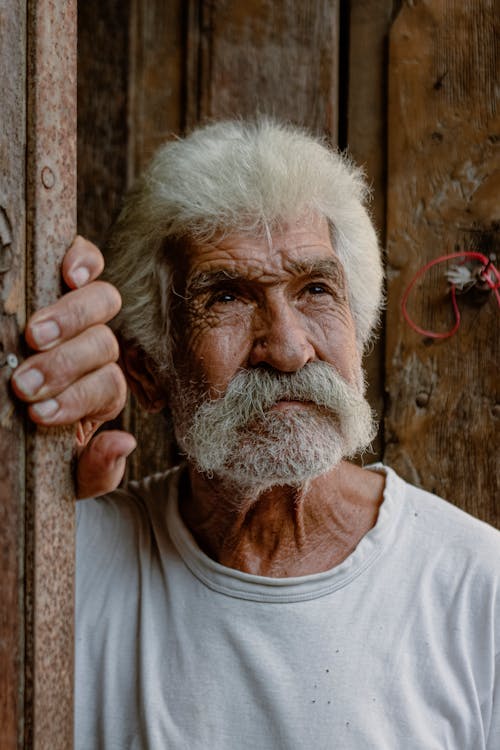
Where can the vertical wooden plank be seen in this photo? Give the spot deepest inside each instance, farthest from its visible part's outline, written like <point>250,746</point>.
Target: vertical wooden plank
<point>156,102</point>
<point>277,57</point>
<point>51,172</point>
<point>369,25</point>
<point>103,61</point>
<point>156,92</point>
<point>442,423</point>
<point>12,318</point>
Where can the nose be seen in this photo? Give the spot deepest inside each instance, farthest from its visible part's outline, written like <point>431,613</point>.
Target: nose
<point>281,340</point>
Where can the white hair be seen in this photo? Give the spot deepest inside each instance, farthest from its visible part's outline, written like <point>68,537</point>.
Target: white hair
<point>244,177</point>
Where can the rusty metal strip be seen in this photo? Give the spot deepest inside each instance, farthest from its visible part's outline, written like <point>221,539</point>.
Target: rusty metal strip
<point>12,316</point>
<point>51,173</point>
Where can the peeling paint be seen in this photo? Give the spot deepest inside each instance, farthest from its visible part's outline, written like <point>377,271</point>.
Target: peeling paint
<point>5,241</point>
<point>5,228</point>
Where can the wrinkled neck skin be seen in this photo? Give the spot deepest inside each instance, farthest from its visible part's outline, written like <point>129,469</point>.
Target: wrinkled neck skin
<point>283,531</point>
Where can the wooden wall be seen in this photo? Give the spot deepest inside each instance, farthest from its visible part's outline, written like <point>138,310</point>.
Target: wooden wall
<point>443,409</point>
<point>409,88</point>
<point>37,223</point>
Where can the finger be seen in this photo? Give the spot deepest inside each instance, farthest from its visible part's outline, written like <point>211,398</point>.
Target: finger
<point>82,263</point>
<point>98,396</point>
<point>45,375</point>
<point>72,314</point>
<point>102,464</point>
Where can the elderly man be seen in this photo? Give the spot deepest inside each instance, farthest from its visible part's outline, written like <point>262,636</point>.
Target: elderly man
<point>266,593</point>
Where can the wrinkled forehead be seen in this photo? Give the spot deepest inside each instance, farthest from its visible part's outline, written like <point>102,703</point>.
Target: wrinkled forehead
<point>284,248</point>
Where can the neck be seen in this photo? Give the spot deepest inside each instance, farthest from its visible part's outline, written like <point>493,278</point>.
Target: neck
<point>283,531</point>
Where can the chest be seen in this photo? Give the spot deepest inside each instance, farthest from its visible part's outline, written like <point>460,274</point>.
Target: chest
<point>195,669</point>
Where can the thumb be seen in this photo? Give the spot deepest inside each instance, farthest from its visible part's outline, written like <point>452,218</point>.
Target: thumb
<point>101,464</point>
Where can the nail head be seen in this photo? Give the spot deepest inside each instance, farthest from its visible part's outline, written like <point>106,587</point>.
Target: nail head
<point>12,361</point>
<point>48,178</point>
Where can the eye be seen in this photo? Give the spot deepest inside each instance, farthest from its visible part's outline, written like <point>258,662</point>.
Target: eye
<point>223,298</point>
<point>316,289</point>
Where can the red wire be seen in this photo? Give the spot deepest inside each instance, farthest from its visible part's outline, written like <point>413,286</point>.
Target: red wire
<point>485,275</point>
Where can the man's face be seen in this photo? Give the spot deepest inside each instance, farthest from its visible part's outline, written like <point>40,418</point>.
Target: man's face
<point>261,310</point>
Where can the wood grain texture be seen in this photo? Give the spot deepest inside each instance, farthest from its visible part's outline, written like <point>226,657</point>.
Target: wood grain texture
<point>369,23</point>
<point>51,227</point>
<point>156,83</point>
<point>443,416</point>
<point>277,57</point>
<point>156,113</point>
<point>103,55</point>
<point>12,317</point>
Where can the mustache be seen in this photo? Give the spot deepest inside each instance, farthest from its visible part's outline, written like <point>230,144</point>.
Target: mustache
<point>237,436</point>
<point>251,393</point>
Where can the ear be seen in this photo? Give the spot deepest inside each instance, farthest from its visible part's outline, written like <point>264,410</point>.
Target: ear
<point>142,378</point>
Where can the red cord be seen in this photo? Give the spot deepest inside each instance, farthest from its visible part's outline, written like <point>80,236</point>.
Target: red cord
<point>485,276</point>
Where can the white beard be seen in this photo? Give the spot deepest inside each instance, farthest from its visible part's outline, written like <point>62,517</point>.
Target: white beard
<point>239,439</point>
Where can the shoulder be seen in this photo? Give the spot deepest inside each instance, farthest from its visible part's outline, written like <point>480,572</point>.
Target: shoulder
<point>446,521</point>
<point>446,544</point>
<point>125,515</point>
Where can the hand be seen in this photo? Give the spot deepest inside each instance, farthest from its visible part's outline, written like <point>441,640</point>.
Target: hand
<point>74,379</point>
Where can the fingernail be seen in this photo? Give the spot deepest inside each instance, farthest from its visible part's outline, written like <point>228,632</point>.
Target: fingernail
<point>29,381</point>
<point>46,408</point>
<point>80,276</point>
<point>46,332</point>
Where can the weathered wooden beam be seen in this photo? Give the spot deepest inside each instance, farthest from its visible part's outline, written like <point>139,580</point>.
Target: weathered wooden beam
<point>156,113</point>
<point>278,57</point>
<point>51,202</point>
<point>12,319</point>
<point>103,67</point>
<point>369,24</point>
<point>156,82</point>
<point>444,160</point>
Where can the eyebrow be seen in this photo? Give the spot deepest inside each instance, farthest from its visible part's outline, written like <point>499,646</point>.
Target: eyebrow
<point>331,267</point>
<point>206,280</point>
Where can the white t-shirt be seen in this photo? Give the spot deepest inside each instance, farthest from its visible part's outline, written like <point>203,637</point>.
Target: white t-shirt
<point>396,648</point>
